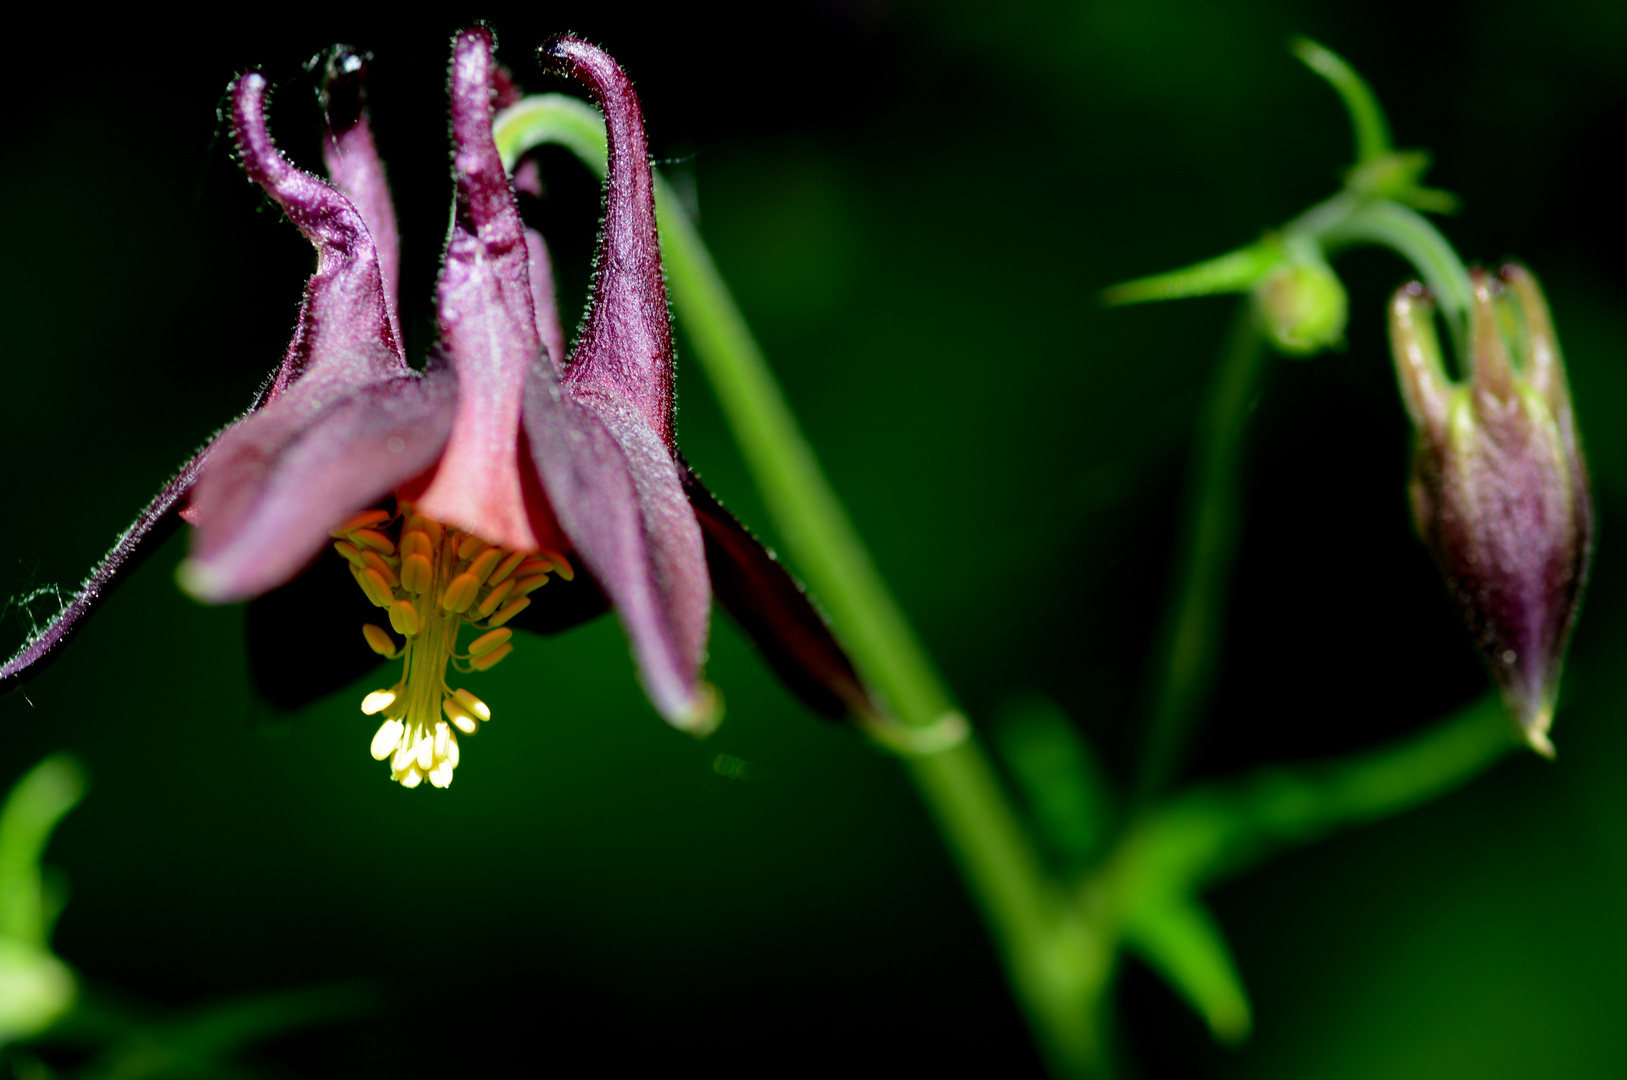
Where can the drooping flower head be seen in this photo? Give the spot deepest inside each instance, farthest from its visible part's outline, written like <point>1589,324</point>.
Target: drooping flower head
<point>455,494</point>
<point>1500,491</point>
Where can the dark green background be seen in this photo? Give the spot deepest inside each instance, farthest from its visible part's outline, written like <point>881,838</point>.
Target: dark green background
<point>915,204</point>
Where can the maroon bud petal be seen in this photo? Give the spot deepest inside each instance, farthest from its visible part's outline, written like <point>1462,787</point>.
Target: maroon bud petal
<point>1500,490</point>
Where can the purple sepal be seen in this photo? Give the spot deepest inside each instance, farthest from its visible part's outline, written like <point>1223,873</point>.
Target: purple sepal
<point>763,597</point>
<point>151,528</point>
<point>278,481</point>
<point>616,494</point>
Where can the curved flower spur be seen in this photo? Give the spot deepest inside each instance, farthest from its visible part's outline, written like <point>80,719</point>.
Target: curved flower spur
<point>507,468</point>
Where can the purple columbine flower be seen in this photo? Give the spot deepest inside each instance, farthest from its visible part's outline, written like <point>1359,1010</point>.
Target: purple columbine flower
<point>1500,491</point>
<point>455,494</point>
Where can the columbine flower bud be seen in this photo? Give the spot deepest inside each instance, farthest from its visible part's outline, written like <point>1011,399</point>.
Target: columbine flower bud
<point>1499,489</point>
<point>1301,306</point>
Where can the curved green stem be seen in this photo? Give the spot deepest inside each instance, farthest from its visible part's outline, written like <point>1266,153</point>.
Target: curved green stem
<point>1372,131</point>
<point>1210,528</point>
<point>1056,964</point>
<point>1410,235</point>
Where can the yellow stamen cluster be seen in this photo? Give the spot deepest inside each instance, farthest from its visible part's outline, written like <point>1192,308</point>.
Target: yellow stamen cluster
<point>431,580</point>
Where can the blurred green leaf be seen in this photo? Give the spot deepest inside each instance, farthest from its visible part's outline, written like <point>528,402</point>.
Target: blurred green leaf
<point>200,1043</point>
<point>1059,776</point>
<point>36,803</point>
<point>1183,944</point>
<point>1234,272</point>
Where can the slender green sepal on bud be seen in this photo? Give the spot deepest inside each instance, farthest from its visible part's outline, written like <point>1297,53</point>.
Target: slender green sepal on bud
<point>1234,272</point>
<point>1500,490</point>
<point>1301,306</point>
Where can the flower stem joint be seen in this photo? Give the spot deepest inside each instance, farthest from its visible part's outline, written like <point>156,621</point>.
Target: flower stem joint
<point>1499,489</point>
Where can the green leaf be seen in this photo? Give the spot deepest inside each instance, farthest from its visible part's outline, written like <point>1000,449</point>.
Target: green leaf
<point>1059,776</point>
<point>36,803</point>
<point>1182,943</point>
<point>1234,272</point>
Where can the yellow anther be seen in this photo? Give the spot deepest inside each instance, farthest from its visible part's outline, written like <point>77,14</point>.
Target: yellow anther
<point>471,704</point>
<point>374,539</point>
<point>514,608</point>
<point>495,597</point>
<point>416,573</point>
<point>441,775</point>
<point>402,759</point>
<point>431,529</point>
<point>456,713</point>
<point>502,572</point>
<point>485,643</point>
<point>562,565</point>
<point>404,617</point>
<point>361,521</point>
<point>374,585</point>
<point>471,546</point>
<point>377,702</point>
<point>382,568</point>
<point>351,555</point>
<point>452,753</point>
<point>460,593</point>
<point>485,563</point>
<point>532,565</point>
<point>386,740</point>
<point>424,752</point>
<point>412,778</point>
<point>528,585</point>
<point>489,661</point>
<point>379,641</point>
<point>416,542</point>
<point>443,739</point>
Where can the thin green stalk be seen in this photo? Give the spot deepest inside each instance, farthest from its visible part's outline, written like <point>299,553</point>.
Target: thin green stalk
<point>1221,829</point>
<point>1210,529</point>
<point>1371,130</point>
<point>1057,965</point>
<point>1411,236</point>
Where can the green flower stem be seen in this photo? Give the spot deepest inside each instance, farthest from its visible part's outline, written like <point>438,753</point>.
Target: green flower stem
<point>1409,234</point>
<point>1220,830</point>
<point>1210,530</point>
<point>1372,131</point>
<point>1057,966</point>
<point>1210,526</point>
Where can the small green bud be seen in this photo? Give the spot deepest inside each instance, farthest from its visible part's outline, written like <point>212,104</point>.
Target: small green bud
<point>1301,306</point>
<point>1500,491</point>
